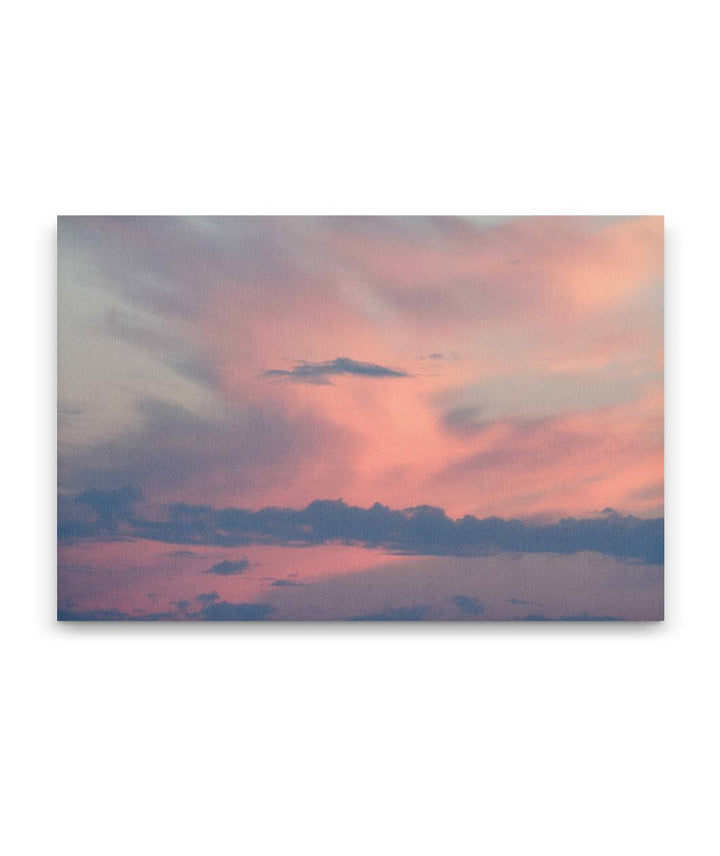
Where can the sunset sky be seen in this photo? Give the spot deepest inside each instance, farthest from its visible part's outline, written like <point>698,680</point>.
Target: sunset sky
<point>492,367</point>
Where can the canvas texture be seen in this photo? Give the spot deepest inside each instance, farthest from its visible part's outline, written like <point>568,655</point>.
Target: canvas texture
<point>360,418</point>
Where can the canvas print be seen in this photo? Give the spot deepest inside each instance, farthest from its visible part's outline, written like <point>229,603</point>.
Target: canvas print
<point>360,418</point>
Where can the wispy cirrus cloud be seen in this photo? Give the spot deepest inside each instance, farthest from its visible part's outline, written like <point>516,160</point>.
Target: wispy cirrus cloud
<point>319,373</point>
<point>177,316</point>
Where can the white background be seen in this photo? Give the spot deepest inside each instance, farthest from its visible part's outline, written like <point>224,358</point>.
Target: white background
<point>359,739</point>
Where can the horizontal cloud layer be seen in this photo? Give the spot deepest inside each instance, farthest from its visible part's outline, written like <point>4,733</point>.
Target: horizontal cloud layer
<point>213,610</point>
<point>424,530</point>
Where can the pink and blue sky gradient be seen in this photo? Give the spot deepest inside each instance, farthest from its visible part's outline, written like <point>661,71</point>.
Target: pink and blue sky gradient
<point>452,418</point>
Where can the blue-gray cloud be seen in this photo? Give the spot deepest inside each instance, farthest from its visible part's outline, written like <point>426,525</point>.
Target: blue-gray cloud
<point>403,613</point>
<point>469,605</point>
<point>423,530</point>
<point>227,569</point>
<point>110,506</point>
<point>223,611</point>
<point>319,373</point>
<point>584,616</point>
<point>212,610</point>
<point>177,446</point>
<point>65,614</point>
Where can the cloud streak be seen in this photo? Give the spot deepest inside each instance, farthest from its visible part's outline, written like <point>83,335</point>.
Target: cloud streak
<point>212,610</point>
<point>228,569</point>
<point>405,613</point>
<point>319,373</point>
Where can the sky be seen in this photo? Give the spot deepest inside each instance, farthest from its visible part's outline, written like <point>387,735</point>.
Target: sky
<point>369,418</point>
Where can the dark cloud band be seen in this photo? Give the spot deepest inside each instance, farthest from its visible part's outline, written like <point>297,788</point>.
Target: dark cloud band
<point>423,530</point>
